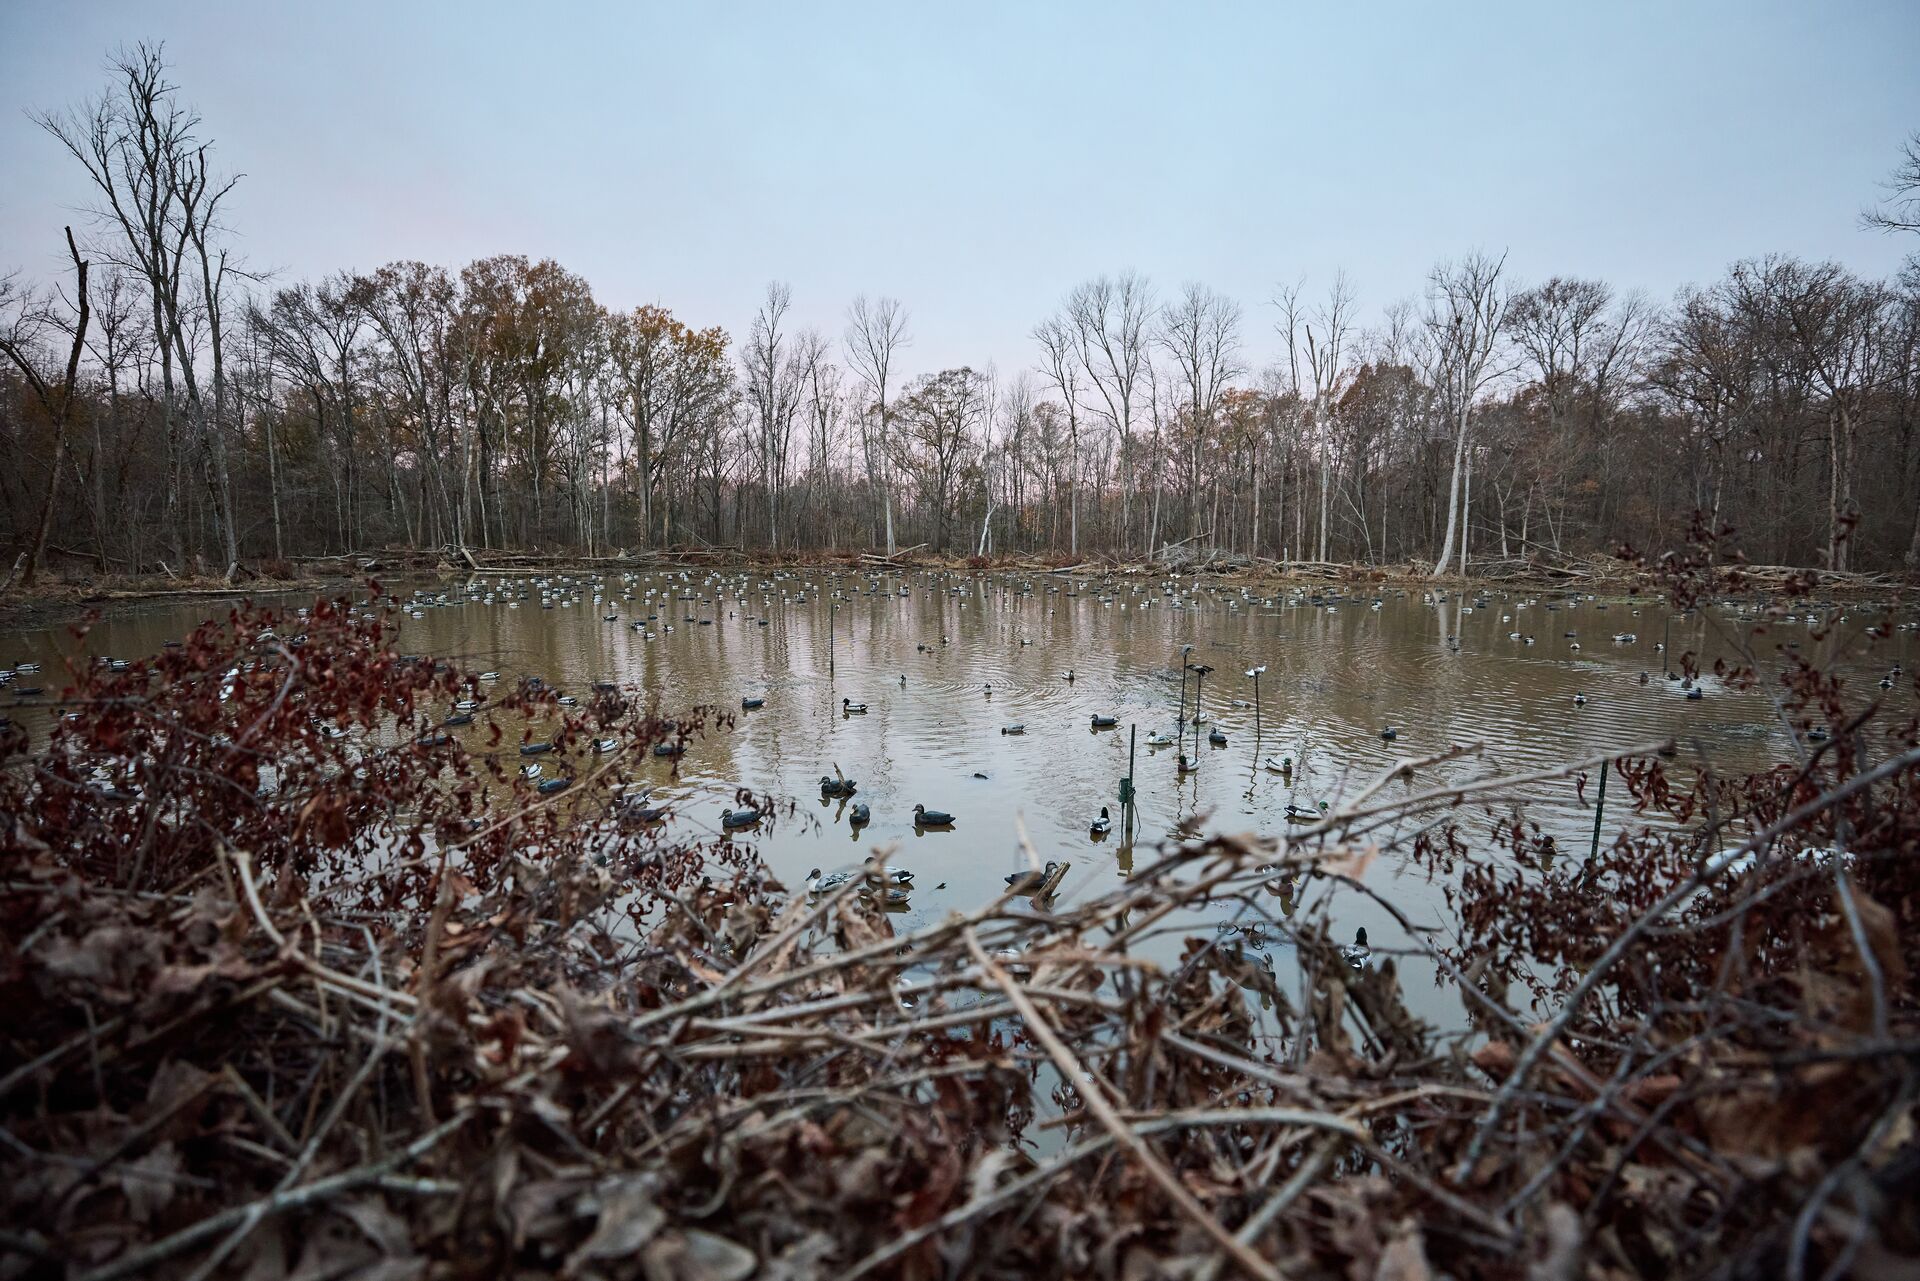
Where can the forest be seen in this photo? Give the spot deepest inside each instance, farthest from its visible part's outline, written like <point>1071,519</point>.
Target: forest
<point>169,409</point>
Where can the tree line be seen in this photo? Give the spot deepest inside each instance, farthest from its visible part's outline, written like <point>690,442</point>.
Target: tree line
<point>165,407</point>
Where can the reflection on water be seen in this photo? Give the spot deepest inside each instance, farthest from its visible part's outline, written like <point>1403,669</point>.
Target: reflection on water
<point>946,666</point>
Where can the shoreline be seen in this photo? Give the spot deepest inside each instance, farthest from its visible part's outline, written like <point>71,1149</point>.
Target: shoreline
<point>57,599</point>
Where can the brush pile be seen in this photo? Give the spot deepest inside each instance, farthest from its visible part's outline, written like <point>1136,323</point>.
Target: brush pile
<point>294,984</point>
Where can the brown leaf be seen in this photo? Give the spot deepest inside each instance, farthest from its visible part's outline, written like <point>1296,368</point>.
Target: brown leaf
<point>629,1218</point>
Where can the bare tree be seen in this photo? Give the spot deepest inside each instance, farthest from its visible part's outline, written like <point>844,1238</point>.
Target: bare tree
<point>1901,211</point>
<point>1200,330</point>
<point>1466,312</point>
<point>876,331</point>
<point>1060,364</point>
<point>1110,320</point>
<point>22,340</point>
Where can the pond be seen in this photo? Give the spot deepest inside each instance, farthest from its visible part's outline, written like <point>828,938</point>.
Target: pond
<point>945,663</point>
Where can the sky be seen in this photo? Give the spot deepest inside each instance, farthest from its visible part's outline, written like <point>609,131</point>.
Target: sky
<point>976,161</point>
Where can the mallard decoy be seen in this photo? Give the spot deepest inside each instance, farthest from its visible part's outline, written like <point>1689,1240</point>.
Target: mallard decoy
<point>488,676</point>
<point>553,785</point>
<point>818,884</point>
<point>567,700</point>
<point>1030,879</point>
<point>1579,700</point>
<point>1217,736</point>
<point>668,749</point>
<point>602,746</point>
<point>987,689</point>
<point>433,740</point>
<point>458,718</point>
<point>1104,722</point>
<point>1388,734</point>
<point>1188,764</point>
<point>1696,693</point>
<point>850,708</point>
<point>1301,814</point>
<point>924,817</point>
<point>1068,676</point>
<point>1157,739</point>
<point>466,705</point>
<point>859,815</point>
<point>535,770</point>
<point>1102,825</point>
<point>1279,764</point>
<point>836,786</point>
<point>1013,729</point>
<point>747,817</point>
<point>1356,952</point>
<point>642,813</point>
<point>535,749</point>
<point>752,704</point>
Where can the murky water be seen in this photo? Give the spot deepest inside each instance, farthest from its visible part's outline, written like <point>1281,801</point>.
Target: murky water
<point>944,663</point>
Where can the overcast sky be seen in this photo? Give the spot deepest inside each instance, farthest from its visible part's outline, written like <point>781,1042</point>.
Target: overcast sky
<point>977,160</point>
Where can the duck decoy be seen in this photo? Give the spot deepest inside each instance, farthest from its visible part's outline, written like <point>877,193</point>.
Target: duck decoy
<point>668,749</point>
<point>433,740</point>
<point>636,810</point>
<point>1188,764</point>
<point>567,700</point>
<point>1104,722</point>
<point>818,884</point>
<point>553,785</point>
<point>488,676</point>
<point>746,817</point>
<point>1102,825</point>
<point>1388,734</point>
<point>1301,814</point>
<point>1217,736</point>
<point>924,817</point>
<point>466,705</point>
<point>458,718</point>
<point>1279,764</point>
<point>535,770</point>
<point>850,708</point>
<point>836,786</point>
<point>987,689</point>
<point>1579,700</point>
<point>1696,693</point>
<point>859,815</point>
<point>1068,676</point>
<point>601,746</point>
<point>895,877</point>
<point>1031,880</point>
<point>1013,729</point>
<point>752,704</point>
<point>1356,952</point>
<point>1157,739</point>
<point>535,749</point>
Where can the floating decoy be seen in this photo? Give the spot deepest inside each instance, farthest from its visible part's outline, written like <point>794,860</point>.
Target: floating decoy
<point>668,749</point>
<point>1157,739</point>
<point>534,770</point>
<point>850,708</point>
<point>897,877</point>
<point>1013,729</point>
<point>433,740</point>
<point>488,676</point>
<point>553,785</point>
<point>836,786</point>
<point>752,704</point>
<point>1389,733</point>
<point>604,745</point>
<point>1188,763</point>
<point>459,718</point>
<point>1301,814</point>
<point>1579,700</point>
<point>1104,722</point>
<point>987,689</point>
<point>1696,693</point>
<point>818,884</point>
<point>739,818</point>
<point>924,817</point>
<point>1217,736</point>
<point>466,705</point>
<point>859,815</point>
<point>1030,879</point>
<point>1068,677</point>
<point>1279,764</point>
<point>534,749</point>
<point>1356,952</point>
<point>567,700</point>
<point>1102,825</point>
